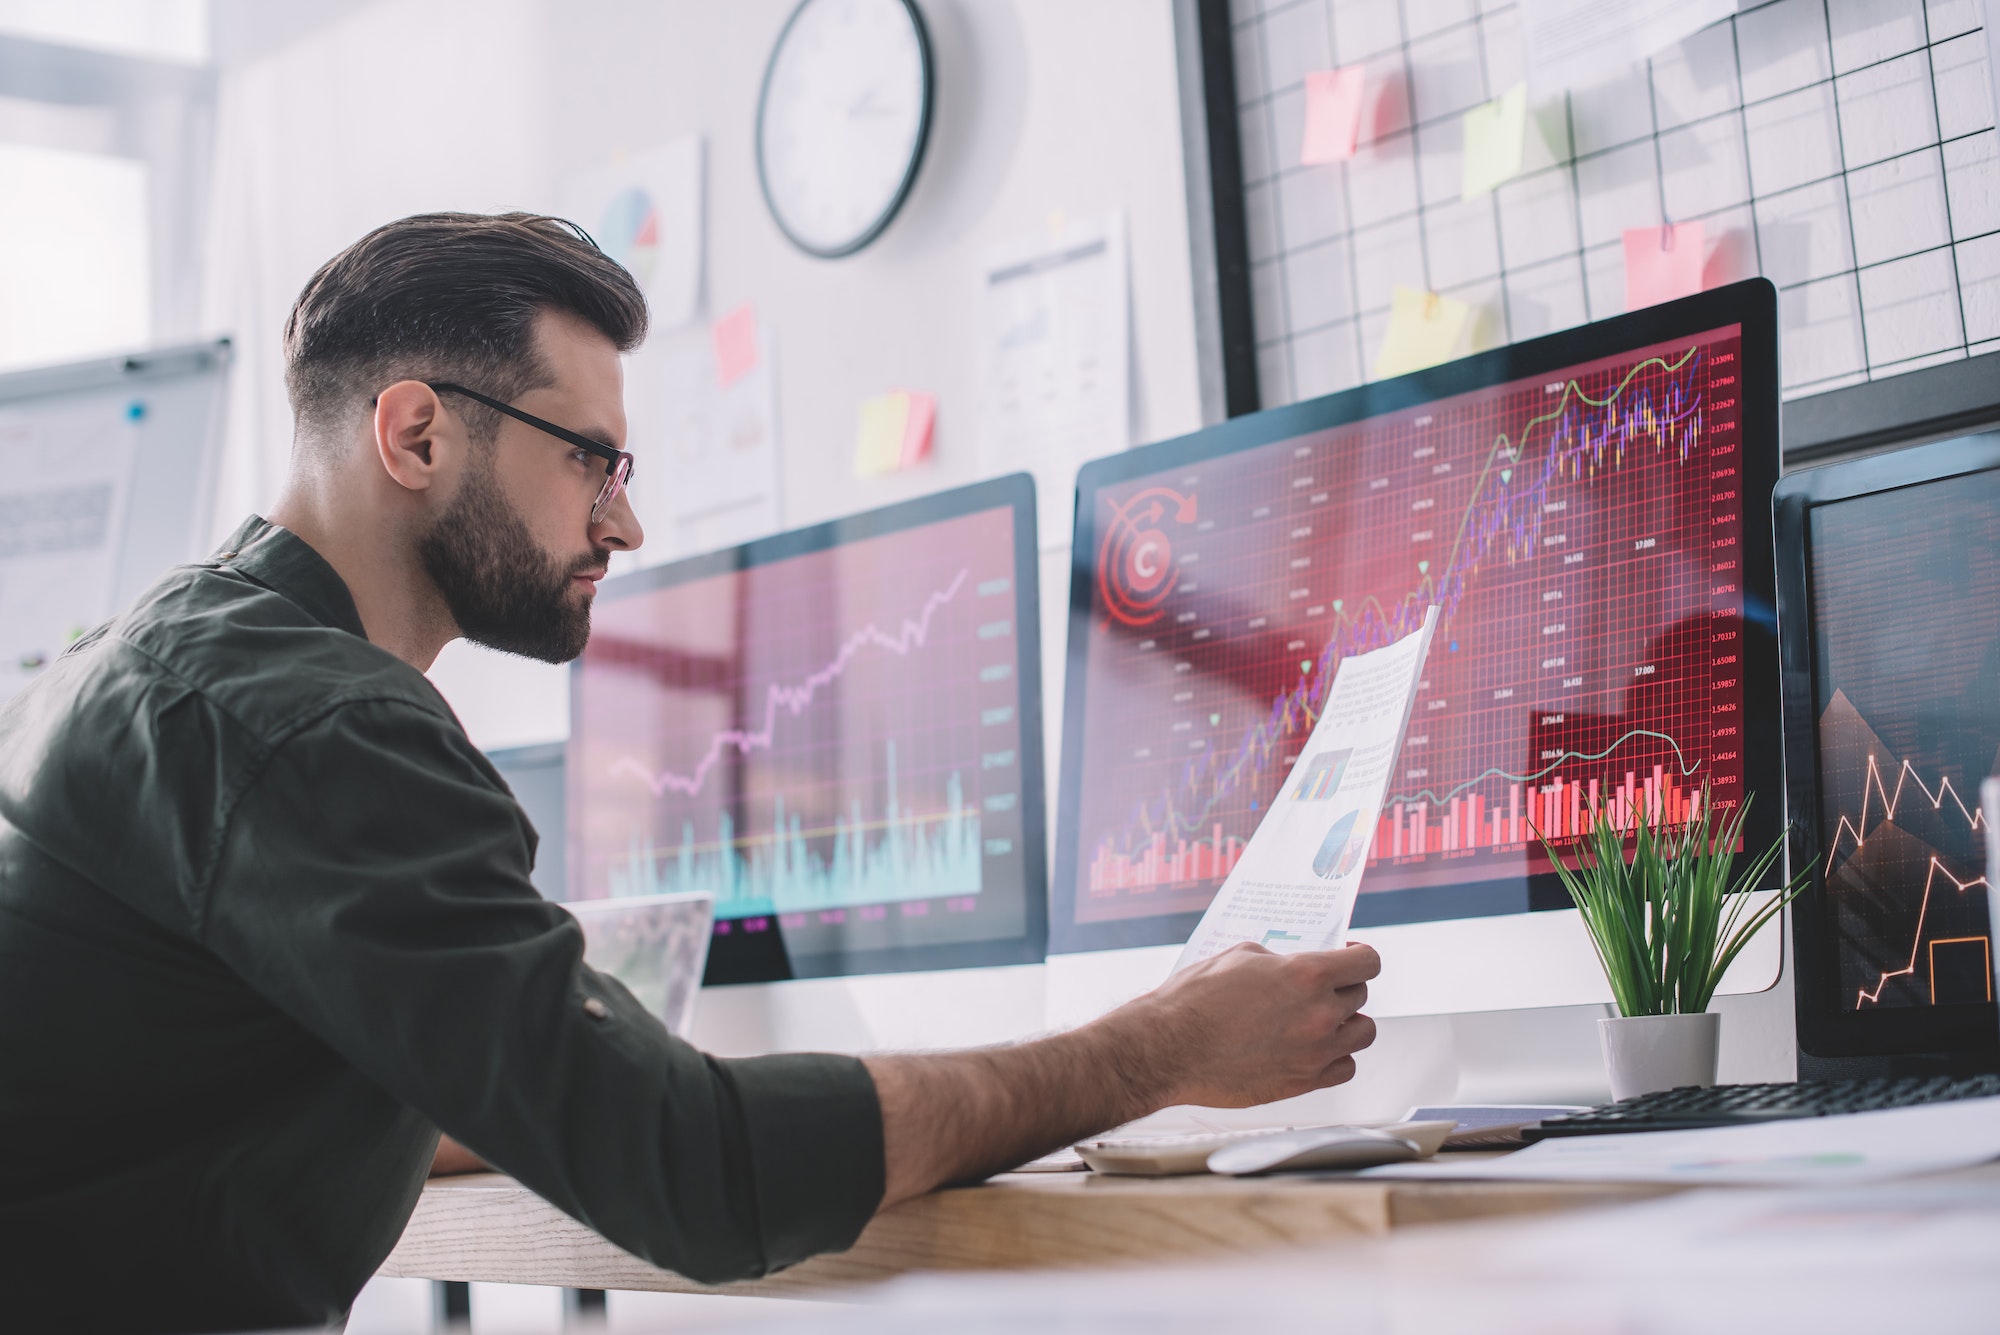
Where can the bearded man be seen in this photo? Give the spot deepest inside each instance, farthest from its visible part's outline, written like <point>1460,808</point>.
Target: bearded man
<point>266,923</point>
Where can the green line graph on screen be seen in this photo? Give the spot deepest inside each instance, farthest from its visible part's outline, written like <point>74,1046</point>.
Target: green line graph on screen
<point>901,855</point>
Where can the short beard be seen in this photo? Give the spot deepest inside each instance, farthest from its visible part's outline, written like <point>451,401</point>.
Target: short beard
<point>501,588</point>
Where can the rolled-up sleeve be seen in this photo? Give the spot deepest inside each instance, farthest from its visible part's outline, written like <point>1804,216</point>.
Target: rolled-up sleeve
<point>370,878</point>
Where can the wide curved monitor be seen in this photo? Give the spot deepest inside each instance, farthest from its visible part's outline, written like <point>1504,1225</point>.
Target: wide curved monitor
<point>836,732</point>
<point>1592,512</point>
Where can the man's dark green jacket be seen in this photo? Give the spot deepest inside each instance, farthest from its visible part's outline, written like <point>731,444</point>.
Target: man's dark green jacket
<point>265,925</point>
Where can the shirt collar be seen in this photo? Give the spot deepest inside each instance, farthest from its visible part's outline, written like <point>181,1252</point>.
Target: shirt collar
<point>282,562</point>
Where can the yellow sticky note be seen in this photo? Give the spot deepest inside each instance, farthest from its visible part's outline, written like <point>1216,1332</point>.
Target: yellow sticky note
<point>1495,136</point>
<point>1424,329</point>
<point>878,434</point>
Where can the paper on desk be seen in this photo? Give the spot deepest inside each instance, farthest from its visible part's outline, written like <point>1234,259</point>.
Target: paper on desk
<point>1832,1151</point>
<point>1575,43</point>
<point>1293,888</point>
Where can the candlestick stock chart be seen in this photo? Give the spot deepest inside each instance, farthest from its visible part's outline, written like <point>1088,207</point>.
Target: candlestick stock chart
<point>1579,532</point>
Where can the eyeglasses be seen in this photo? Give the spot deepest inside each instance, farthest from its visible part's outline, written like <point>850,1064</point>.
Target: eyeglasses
<point>617,463</point>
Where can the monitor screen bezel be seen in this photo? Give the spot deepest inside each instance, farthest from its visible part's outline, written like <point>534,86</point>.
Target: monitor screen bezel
<point>1750,305</point>
<point>1825,1028</point>
<point>1016,492</point>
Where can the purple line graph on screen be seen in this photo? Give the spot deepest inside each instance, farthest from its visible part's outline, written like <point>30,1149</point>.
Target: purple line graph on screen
<point>783,700</point>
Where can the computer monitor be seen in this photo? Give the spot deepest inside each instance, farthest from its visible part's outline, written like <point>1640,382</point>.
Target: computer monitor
<point>535,775</point>
<point>1591,510</point>
<point>836,731</point>
<point>1889,619</point>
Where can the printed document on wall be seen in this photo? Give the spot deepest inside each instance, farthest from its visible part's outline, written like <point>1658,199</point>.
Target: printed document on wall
<point>1056,384</point>
<point>1295,885</point>
<point>645,210</point>
<point>708,451</point>
<point>1576,43</point>
<point>64,484</point>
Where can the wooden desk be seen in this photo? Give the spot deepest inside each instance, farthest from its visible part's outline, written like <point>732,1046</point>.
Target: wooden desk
<point>489,1227</point>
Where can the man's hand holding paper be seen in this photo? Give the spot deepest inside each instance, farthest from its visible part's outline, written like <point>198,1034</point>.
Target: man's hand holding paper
<point>1295,885</point>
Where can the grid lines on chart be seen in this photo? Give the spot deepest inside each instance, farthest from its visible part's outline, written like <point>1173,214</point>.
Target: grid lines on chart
<point>1507,508</point>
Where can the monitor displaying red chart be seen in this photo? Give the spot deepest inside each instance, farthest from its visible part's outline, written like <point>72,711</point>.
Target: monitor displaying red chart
<point>835,732</point>
<point>1584,530</point>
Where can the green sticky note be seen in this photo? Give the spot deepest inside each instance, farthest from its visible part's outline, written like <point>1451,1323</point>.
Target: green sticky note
<point>1495,135</point>
<point>1424,329</point>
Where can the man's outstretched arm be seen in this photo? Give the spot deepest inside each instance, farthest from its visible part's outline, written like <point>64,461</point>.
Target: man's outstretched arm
<point>1243,1028</point>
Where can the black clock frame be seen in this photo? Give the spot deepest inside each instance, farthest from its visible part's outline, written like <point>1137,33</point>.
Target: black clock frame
<point>903,187</point>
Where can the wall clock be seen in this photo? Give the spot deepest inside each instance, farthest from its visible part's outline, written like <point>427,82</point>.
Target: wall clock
<point>842,120</point>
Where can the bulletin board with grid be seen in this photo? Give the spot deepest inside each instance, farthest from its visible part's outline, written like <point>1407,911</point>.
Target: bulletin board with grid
<point>1845,149</point>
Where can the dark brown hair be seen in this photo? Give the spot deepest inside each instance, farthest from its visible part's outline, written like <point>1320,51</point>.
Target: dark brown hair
<point>449,296</point>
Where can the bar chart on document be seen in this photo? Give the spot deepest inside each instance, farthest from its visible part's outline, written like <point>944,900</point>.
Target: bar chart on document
<point>1579,533</point>
<point>826,743</point>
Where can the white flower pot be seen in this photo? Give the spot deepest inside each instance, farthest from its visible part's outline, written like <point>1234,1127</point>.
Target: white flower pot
<point>1646,1053</point>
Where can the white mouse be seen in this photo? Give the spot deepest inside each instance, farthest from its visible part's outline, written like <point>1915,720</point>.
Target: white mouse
<point>1314,1147</point>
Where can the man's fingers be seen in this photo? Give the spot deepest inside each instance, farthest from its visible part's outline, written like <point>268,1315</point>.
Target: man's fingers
<point>1361,960</point>
<point>1359,1032</point>
<point>1344,967</point>
<point>1337,1072</point>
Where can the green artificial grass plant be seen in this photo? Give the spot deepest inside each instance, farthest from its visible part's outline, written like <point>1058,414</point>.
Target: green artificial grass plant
<point>1668,924</point>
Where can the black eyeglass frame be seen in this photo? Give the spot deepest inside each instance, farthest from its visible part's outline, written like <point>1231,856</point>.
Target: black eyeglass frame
<point>617,463</point>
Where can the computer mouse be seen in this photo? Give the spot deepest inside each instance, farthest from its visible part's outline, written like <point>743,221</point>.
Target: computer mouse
<point>1314,1147</point>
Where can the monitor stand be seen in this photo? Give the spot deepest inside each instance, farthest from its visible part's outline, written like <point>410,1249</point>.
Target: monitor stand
<point>892,1012</point>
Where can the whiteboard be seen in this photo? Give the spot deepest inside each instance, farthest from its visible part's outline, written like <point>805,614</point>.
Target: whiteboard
<point>107,474</point>
<point>1845,149</point>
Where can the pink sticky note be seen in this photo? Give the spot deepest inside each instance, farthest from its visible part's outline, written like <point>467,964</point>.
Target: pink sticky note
<point>1662,263</point>
<point>1333,114</point>
<point>917,428</point>
<point>734,339</point>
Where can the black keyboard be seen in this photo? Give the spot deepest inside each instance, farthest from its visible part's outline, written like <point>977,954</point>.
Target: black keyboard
<point>1735,1105</point>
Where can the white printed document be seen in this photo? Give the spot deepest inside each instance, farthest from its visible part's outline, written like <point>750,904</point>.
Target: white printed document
<point>1057,348</point>
<point>1294,886</point>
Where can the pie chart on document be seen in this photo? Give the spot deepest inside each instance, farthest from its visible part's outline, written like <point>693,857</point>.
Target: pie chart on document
<point>630,232</point>
<point>1328,862</point>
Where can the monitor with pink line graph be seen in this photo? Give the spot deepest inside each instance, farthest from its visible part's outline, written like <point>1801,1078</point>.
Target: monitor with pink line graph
<point>836,732</point>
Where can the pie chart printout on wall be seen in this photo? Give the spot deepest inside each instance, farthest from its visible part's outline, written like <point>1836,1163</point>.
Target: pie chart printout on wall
<point>630,232</point>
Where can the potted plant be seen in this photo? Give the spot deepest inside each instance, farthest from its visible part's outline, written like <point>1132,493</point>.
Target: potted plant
<point>1666,926</point>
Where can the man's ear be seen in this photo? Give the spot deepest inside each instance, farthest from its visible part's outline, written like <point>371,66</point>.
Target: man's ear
<point>417,442</point>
